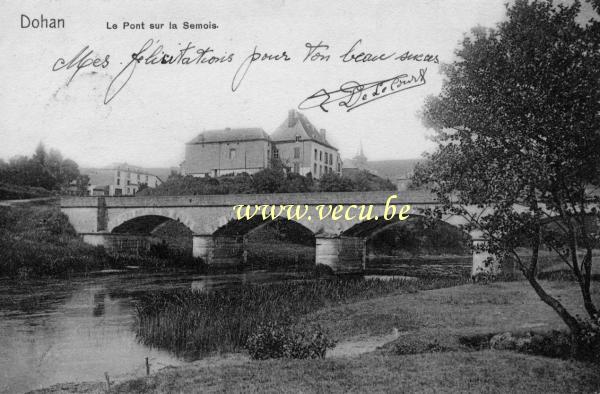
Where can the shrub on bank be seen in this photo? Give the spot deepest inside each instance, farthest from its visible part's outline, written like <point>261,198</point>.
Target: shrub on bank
<point>279,340</point>
<point>584,346</point>
<point>589,341</point>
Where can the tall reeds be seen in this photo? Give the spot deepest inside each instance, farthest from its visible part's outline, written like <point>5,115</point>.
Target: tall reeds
<point>193,324</point>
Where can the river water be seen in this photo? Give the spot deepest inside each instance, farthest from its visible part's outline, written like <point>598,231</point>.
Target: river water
<point>56,330</point>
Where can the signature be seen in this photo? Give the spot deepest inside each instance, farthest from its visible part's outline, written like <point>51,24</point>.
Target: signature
<point>352,94</point>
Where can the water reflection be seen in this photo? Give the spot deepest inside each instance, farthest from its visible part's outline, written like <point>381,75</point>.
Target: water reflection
<point>59,331</point>
<point>99,303</point>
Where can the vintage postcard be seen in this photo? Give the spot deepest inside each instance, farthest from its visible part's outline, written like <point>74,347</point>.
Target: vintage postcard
<point>300,196</point>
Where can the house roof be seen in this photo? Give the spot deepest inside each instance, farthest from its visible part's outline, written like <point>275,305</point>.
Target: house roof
<point>223,135</point>
<point>298,124</point>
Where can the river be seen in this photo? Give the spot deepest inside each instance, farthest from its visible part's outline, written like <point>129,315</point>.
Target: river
<point>59,330</point>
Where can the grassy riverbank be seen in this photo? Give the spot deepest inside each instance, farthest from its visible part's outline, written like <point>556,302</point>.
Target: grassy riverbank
<point>426,355</point>
<point>194,324</point>
<point>39,241</point>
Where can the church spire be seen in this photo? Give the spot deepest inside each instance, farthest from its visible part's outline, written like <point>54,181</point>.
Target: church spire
<point>360,159</point>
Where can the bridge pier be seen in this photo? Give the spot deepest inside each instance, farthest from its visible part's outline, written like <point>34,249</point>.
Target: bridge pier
<point>221,250</point>
<point>341,254</point>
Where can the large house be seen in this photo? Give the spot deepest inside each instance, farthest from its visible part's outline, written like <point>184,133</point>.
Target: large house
<point>119,180</point>
<point>297,143</point>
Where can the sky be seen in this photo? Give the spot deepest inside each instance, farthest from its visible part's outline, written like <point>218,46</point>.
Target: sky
<point>162,107</point>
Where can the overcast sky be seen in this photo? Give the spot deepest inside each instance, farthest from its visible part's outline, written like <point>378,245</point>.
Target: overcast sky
<point>162,107</point>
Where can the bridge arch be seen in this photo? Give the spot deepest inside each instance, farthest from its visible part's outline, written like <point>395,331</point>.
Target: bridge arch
<point>136,214</point>
<point>258,243</point>
<point>415,246</point>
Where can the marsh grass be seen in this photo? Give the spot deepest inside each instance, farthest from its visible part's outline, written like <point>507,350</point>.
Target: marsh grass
<point>194,324</point>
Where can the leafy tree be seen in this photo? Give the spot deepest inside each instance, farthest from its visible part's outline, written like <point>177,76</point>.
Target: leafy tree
<point>69,171</point>
<point>296,183</point>
<point>48,170</point>
<point>331,182</point>
<point>40,155</point>
<point>269,180</point>
<point>518,131</point>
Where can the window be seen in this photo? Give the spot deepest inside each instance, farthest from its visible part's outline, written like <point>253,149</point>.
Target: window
<point>118,181</point>
<point>326,158</point>
<point>315,155</point>
<point>128,183</point>
<point>118,173</point>
<point>320,170</point>
<point>275,153</point>
<point>146,178</point>
<point>231,154</point>
<point>297,168</point>
<point>315,171</point>
<point>296,153</point>
<point>297,138</point>
<point>331,159</point>
<point>138,177</point>
<point>321,155</point>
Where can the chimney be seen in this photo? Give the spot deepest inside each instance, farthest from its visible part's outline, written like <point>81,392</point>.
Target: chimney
<point>291,118</point>
<point>324,133</point>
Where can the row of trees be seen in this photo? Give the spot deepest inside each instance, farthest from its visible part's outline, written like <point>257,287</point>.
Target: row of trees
<point>517,125</point>
<point>270,180</point>
<point>44,169</point>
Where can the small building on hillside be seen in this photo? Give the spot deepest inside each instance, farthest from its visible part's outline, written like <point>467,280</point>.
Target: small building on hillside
<point>119,180</point>
<point>297,143</point>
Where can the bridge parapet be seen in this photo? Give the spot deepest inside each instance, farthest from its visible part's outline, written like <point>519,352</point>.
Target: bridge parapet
<point>375,197</point>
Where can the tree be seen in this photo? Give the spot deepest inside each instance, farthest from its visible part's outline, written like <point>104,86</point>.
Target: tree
<point>269,180</point>
<point>69,171</point>
<point>40,154</point>
<point>518,131</point>
<point>331,182</point>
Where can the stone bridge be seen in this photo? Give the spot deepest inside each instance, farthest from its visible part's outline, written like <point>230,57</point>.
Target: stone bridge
<point>340,244</point>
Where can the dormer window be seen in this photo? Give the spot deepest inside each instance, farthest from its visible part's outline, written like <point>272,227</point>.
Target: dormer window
<point>297,138</point>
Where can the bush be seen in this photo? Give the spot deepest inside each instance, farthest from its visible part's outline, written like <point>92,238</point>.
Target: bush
<point>277,340</point>
<point>555,344</point>
<point>588,346</point>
